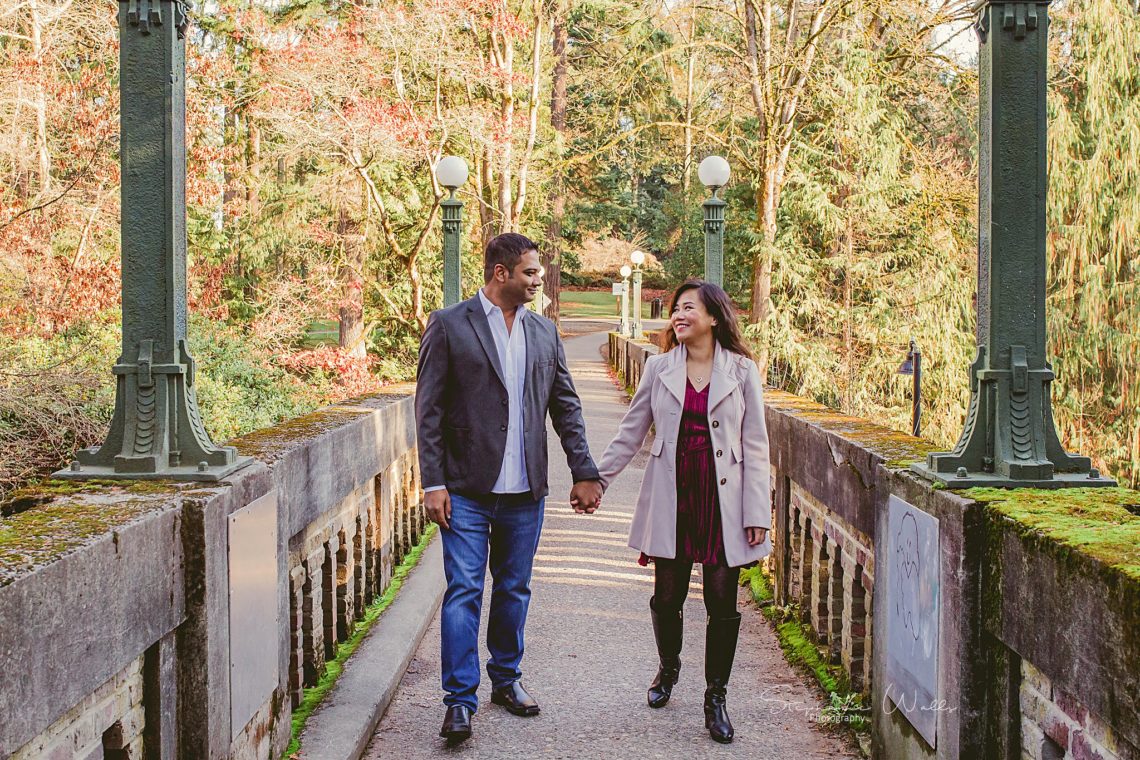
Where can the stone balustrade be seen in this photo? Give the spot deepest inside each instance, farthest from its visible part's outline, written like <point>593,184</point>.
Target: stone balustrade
<point>185,619</point>
<point>1027,627</point>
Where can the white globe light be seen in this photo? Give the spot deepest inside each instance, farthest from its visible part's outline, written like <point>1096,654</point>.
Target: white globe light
<point>451,171</point>
<point>714,172</point>
<point>637,257</point>
<point>626,271</point>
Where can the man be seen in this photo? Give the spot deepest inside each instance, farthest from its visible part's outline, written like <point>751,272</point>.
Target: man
<point>490,371</point>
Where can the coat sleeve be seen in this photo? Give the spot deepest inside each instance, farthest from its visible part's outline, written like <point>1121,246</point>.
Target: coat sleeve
<point>431,382</point>
<point>633,429</point>
<point>757,488</point>
<point>566,414</point>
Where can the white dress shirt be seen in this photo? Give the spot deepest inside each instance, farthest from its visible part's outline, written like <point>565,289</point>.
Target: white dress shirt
<point>511,348</point>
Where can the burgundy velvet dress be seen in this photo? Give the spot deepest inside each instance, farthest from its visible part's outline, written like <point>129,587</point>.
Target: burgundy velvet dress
<point>700,536</point>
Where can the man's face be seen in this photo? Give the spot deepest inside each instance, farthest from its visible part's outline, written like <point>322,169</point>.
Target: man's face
<point>522,285</point>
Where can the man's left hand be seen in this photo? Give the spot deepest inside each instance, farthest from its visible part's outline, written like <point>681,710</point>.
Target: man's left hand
<point>586,496</point>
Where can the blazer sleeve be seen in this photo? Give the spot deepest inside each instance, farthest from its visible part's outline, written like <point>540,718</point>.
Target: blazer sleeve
<point>566,414</point>
<point>431,383</point>
<point>757,488</point>
<point>633,428</point>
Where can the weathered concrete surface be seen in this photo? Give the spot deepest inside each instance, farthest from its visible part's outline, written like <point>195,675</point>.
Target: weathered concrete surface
<point>114,597</point>
<point>343,724</point>
<point>590,652</point>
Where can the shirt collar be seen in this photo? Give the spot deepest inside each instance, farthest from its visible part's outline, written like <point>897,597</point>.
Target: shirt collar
<point>490,306</point>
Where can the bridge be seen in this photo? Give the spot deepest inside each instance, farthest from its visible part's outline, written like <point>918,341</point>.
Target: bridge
<point>167,597</point>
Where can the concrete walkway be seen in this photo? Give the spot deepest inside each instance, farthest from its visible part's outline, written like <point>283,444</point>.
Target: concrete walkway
<point>590,652</point>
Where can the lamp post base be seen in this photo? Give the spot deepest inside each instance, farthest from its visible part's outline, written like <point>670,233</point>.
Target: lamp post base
<point>956,481</point>
<point>190,473</point>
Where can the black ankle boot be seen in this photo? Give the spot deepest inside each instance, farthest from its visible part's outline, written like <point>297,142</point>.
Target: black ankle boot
<point>667,629</point>
<point>720,649</point>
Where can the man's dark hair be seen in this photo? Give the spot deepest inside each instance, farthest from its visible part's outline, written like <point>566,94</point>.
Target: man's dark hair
<point>505,249</point>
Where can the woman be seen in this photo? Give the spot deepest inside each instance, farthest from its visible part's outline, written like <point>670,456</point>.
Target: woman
<point>705,497</point>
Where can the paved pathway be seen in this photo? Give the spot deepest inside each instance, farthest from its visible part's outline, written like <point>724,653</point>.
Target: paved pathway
<point>590,652</point>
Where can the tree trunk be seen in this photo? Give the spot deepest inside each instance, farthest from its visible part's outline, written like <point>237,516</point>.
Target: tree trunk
<point>43,157</point>
<point>552,256</point>
<point>351,312</point>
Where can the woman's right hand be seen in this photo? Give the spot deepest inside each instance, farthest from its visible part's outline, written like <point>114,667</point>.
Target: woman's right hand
<point>755,536</point>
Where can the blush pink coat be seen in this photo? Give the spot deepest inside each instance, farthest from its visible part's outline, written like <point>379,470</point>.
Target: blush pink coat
<point>740,441</point>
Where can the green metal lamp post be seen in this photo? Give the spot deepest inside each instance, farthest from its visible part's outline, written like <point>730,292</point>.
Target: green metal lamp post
<point>638,258</point>
<point>625,273</point>
<point>156,431</point>
<point>451,172</point>
<point>714,173</point>
<point>1009,437</point>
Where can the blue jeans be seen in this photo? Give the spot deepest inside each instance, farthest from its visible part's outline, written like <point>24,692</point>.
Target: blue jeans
<point>506,532</point>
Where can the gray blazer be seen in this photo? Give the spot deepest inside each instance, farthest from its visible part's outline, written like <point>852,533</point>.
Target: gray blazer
<point>461,403</point>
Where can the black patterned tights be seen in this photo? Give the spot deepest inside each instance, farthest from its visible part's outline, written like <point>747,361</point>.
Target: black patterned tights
<point>671,586</point>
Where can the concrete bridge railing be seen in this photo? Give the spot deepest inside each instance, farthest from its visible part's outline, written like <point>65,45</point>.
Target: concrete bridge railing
<point>1024,604</point>
<point>184,619</point>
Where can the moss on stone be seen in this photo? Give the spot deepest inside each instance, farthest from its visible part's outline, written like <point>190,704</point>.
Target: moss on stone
<point>267,444</point>
<point>67,519</point>
<point>899,450</point>
<point>1099,523</point>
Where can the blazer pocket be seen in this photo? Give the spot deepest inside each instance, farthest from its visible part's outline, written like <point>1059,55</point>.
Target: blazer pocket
<point>658,445</point>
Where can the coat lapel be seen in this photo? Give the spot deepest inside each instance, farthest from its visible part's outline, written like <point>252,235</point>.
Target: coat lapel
<point>722,382</point>
<point>482,327</point>
<point>674,376</point>
<point>530,333</point>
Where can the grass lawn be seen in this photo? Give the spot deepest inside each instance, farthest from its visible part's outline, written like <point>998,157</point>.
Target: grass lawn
<point>321,332</point>
<point>593,303</point>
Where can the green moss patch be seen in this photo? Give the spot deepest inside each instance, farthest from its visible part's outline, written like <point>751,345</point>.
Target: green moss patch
<point>797,639</point>
<point>1098,523</point>
<point>67,515</point>
<point>269,443</point>
<point>898,449</point>
<point>314,695</point>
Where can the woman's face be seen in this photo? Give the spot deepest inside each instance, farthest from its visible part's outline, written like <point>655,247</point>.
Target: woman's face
<point>690,319</point>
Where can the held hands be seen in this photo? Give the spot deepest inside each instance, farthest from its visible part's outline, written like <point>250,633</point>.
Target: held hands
<point>755,536</point>
<point>438,506</point>
<point>586,496</point>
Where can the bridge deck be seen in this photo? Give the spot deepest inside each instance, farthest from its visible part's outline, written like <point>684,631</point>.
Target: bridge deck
<point>590,650</point>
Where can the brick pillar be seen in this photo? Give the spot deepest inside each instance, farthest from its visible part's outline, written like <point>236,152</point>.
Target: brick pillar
<point>312,616</point>
<point>836,609</point>
<point>328,597</point>
<point>795,556</point>
<point>807,571</point>
<point>360,572</point>
<point>854,622</point>
<point>296,635</point>
<point>781,538</point>
<point>820,584</point>
<point>868,606</point>
<point>386,545</point>
<point>345,586</point>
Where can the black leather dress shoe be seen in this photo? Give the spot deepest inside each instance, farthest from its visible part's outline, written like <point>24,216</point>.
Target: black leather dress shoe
<point>456,725</point>
<point>515,699</point>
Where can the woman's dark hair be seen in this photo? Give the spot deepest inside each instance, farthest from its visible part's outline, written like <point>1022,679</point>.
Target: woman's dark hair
<point>505,249</point>
<point>726,331</point>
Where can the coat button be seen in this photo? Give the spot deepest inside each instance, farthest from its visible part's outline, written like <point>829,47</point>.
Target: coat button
<point>716,424</point>
<point>723,481</point>
<point>504,402</point>
<point>719,453</point>
<point>503,428</point>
